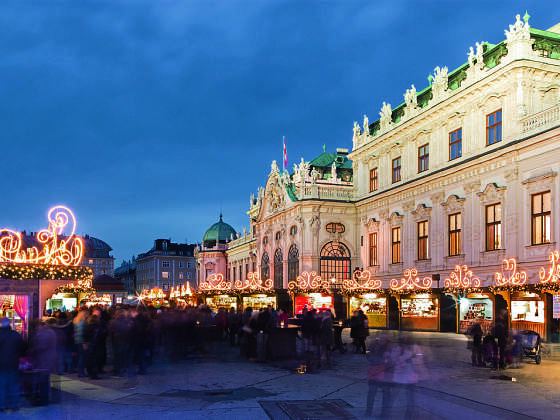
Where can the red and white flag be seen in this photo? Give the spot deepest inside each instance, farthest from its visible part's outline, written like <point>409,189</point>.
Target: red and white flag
<point>285,156</point>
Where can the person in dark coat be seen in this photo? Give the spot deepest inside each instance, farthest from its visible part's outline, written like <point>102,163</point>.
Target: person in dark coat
<point>91,346</point>
<point>327,336</point>
<point>11,349</point>
<point>501,336</point>
<point>308,332</point>
<point>477,350</point>
<point>263,330</point>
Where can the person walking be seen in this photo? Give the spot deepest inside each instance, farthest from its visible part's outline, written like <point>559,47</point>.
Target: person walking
<point>327,336</point>
<point>11,349</point>
<point>379,375</point>
<point>308,331</point>
<point>264,321</point>
<point>90,345</point>
<point>477,350</point>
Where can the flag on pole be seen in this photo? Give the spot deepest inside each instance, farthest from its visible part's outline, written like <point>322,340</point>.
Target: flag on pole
<point>285,156</point>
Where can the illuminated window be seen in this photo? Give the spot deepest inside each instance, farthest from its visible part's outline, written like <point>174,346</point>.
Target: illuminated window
<point>373,180</point>
<point>335,263</point>
<point>456,144</point>
<point>494,127</point>
<point>373,249</point>
<point>396,245</point>
<point>180,275</point>
<point>396,170</point>
<point>293,263</point>
<point>423,158</point>
<point>454,234</point>
<point>165,274</point>
<point>189,275</point>
<point>540,215</point>
<point>278,270</point>
<point>335,228</point>
<point>423,240</point>
<point>493,227</point>
<point>90,262</point>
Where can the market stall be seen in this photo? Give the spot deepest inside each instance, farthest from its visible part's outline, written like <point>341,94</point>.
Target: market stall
<point>549,288</point>
<point>310,291</point>
<point>364,292</point>
<point>16,309</point>
<point>419,306</point>
<point>218,293</point>
<point>528,312</point>
<point>256,293</point>
<point>183,295</point>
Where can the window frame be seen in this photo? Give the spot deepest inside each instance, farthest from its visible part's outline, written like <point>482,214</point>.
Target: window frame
<point>396,254</point>
<point>543,215</point>
<point>494,127</point>
<point>396,175</point>
<point>373,246</point>
<point>493,228</point>
<point>424,158</point>
<point>457,143</point>
<point>422,240</point>
<point>373,179</point>
<point>454,235</point>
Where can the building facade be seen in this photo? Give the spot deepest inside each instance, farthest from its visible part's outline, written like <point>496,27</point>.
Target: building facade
<point>127,274</point>
<point>166,265</point>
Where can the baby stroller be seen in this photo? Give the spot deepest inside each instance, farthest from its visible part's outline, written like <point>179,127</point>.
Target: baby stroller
<point>531,345</point>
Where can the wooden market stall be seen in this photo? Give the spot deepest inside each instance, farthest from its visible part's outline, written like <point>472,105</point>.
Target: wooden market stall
<point>310,291</point>
<point>364,292</point>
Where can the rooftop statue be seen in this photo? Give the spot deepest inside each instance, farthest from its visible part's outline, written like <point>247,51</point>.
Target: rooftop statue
<point>333,172</point>
<point>274,167</point>
<point>439,85</point>
<point>470,54</point>
<point>314,176</point>
<point>479,55</point>
<point>366,124</point>
<point>385,115</point>
<point>357,130</point>
<point>410,98</point>
<point>519,30</point>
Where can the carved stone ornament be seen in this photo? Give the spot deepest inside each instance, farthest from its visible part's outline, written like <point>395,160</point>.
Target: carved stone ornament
<point>385,116</point>
<point>275,195</point>
<point>518,31</point>
<point>314,176</point>
<point>471,57</point>
<point>540,183</point>
<point>395,219</point>
<point>315,223</point>
<point>371,223</point>
<point>439,85</point>
<point>479,56</point>
<point>357,130</point>
<point>454,204</point>
<point>410,98</point>
<point>274,167</point>
<point>492,194</point>
<point>422,212</point>
<point>366,124</point>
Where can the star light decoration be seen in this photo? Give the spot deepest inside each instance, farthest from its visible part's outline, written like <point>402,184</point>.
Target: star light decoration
<point>308,282</point>
<point>550,279</point>
<point>461,281</point>
<point>362,282</point>
<point>410,282</point>
<point>215,284</point>
<point>58,249</point>
<point>509,279</point>
<point>253,283</point>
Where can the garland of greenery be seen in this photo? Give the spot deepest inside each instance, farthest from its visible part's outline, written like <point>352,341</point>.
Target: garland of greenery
<point>44,271</point>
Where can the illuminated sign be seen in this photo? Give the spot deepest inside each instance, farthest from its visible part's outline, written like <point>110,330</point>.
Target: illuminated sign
<point>57,248</point>
<point>509,274</point>
<point>181,291</point>
<point>308,281</point>
<point>363,280</point>
<point>411,281</point>
<point>215,282</point>
<point>461,277</point>
<point>155,293</point>
<point>253,283</point>
<point>553,273</point>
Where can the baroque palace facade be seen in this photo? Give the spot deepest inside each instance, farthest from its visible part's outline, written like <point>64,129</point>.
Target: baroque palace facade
<point>462,174</point>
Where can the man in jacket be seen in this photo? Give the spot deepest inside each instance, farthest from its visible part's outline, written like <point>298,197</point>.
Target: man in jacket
<point>11,348</point>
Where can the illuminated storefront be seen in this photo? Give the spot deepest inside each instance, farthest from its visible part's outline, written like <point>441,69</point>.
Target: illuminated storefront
<point>215,302</point>
<point>528,312</point>
<point>16,309</point>
<point>364,292</point>
<point>258,301</point>
<point>476,307</point>
<point>310,291</point>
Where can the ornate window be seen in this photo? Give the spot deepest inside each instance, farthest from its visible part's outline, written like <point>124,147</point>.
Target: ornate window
<point>454,234</point>
<point>493,227</point>
<point>395,245</point>
<point>278,270</point>
<point>293,263</point>
<point>335,263</point>
<point>423,240</point>
<point>373,180</point>
<point>494,127</point>
<point>423,158</point>
<point>265,240</point>
<point>265,267</point>
<point>278,235</point>
<point>540,218</point>
<point>373,249</point>
<point>335,228</point>
<point>396,177</point>
<point>293,230</point>
<point>456,144</point>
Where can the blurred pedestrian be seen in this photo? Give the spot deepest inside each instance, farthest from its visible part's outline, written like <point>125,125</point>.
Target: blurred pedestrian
<point>264,321</point>
<point>475,332</point>
<point>91,346</point>
<point>283,318</point>
<point>308,331</point>
<point>327,337</point>
<point>380,374</point>
<point>11,349</point>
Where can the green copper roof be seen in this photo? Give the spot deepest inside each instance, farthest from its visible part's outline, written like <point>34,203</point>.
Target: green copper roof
<point>325,160</point>
<point>219,232</point>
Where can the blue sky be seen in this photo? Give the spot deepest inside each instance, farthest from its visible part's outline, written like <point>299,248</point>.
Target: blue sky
<point>147,118</point>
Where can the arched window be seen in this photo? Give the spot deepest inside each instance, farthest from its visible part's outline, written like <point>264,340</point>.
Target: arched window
<point>293,230</point>
<point>293,263</point>
<point>265,268</point>
<point>335,263</point>
<point>278,270</point>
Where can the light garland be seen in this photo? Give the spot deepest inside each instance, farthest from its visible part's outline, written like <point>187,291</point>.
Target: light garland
<point>553,273</point>
<point>308,282</point>
<point>362,282</point>
<point>56,251</point>
<point>44,271</point>
<point>215,284</point>
<point>513,278</point>
<point>152,294</point>
<point>410,282</point>
<point>253,283</point>
<point>461,281</point>
<point>82,287</point>
<point>181,292</point>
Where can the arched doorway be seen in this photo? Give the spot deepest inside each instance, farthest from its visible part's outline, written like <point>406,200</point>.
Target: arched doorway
<point>265,267</point>
<point>335,263</point>
<point>278,270</point>
<point>293,263</point>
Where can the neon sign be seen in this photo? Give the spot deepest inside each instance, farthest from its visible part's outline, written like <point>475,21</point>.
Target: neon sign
<point>553,273</point>
<point>509,274</point>
<point>253,283</point>
<point>308,281</point>
<point>461,277</point>
<point>411,281</point>
<point>363,280</point>
<point>215,282</point>
<point>57,249</point>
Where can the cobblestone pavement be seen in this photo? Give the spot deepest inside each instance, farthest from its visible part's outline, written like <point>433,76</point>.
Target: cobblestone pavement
<point>227,386</point>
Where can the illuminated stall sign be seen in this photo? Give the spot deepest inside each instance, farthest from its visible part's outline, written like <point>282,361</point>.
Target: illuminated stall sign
<point>552,275</point>
<point>58,248</point>
<point>461,279</point>
<point>411,281</point>
<point>308,282</point>
<point>253,283</point>
<point>363,281</point>
<point>509,278</point>
<point>215,283</point>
